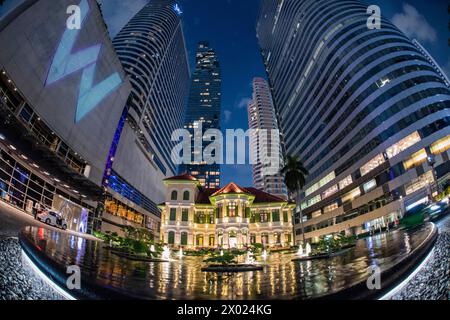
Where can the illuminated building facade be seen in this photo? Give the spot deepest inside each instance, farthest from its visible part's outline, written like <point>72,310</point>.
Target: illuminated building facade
<point>59,89</point>
<point>203,110</point>
<point>262,116</point>
<point>152,50</point>
<point>364,109</point>
<point>230,217</point>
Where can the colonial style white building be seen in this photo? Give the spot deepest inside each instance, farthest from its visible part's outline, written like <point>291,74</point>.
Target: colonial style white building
<point>196,217</point>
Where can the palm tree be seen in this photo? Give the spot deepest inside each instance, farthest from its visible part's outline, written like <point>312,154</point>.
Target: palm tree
<point>294,178</point>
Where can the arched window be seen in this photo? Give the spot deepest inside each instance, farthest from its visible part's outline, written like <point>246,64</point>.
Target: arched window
<point>186,195</point>
<point>174,195</point>
<point>171,237</point>
<point>184,238</point>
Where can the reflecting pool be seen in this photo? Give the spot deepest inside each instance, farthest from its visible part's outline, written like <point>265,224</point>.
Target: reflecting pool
<point>281,278</point>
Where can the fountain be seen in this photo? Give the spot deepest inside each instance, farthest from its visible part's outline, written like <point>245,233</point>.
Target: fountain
<point>249,259</point>
<point>152,248</point>
<point>221,253</point>
<point>300,251</point>
<point>180,253</point>
<point>304,253</point>
<point>264,254</point>
<point>308,249</point>
<point>166,253</point>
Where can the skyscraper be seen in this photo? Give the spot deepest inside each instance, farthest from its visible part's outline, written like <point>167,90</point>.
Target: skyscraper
<point>363,108</point>
<point>152,50</point>
<point>204,107</point>
<point>262,116</point>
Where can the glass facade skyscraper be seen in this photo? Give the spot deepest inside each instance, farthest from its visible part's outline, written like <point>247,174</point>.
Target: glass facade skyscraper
<point>364,109</point>
<point>152,50</point>
<point>262,116</point>
<point>203,110</point>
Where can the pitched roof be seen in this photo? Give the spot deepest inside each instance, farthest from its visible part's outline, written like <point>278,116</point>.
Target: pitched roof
<point>182,177</point>
<point>204,194</point>
<point>230,188</point>
<point>262,196</point>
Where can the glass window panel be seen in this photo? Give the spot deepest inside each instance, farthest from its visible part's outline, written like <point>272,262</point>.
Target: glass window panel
<point>372,164</point>
<point>403,144</point>
<point>440,145</point>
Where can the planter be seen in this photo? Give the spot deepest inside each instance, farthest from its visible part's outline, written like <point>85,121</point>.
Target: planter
<point>232,268</point>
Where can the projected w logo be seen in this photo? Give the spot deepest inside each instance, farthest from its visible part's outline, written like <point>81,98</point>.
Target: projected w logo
<point>66,63</point>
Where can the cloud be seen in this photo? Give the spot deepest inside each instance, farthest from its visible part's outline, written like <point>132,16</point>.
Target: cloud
<point>243,103</point>
<point>227,114</point>
<point>414,25</point>
<point>118,12</point>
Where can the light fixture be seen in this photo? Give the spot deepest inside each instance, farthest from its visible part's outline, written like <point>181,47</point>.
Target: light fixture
<point>2,137</point>
<point>12,147</point>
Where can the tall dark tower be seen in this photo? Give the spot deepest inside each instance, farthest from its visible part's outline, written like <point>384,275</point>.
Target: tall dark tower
<point>204,108</point>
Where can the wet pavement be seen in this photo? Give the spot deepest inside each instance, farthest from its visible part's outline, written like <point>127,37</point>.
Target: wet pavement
<point>182,279</point>
<point>280,279</point>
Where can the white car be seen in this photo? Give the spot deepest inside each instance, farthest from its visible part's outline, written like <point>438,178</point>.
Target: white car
<point>52,218</point>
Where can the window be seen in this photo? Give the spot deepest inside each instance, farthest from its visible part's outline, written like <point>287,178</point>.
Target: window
<point>200,218</point>
<point>185,215</point>
<point>416,159</point>
<point>173,214</point>
<point>174,195</point>
<point>186,195</point>
<point>330,207</point>
<point>419,183</point>
<point>345,182</point>
<point>285,216</point>
<point>275,215</point>
<point>171,237</point>
<point>199,241</point>
<point>232,209</point>
<point>315,214</point>
<point>369,185</point>
<point>321,183</point>
<point>372,164</point>
<point>441,145</point>
<point>264,216</point>
<point>184,238</point>
<point>311,202</point>
<point>211,240</point>
<point>333,189</point>
<point>351,195</point>
<point>403,144</point>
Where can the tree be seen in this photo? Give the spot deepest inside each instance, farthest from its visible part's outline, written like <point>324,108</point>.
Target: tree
<point>295,174</point>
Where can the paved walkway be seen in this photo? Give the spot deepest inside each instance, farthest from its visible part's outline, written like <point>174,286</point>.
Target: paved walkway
<point>12,220</point>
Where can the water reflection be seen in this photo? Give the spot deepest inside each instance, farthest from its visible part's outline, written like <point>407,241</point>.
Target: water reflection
<point>183,279</point>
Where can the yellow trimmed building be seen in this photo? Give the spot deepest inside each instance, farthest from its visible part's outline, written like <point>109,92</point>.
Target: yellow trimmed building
<point>230,217</point>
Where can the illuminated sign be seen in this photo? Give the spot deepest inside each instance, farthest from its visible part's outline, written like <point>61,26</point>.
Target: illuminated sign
<point>66,63</point>
<point>177,9</point>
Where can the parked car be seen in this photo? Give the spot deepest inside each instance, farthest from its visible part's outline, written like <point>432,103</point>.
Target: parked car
<point>52,218</point>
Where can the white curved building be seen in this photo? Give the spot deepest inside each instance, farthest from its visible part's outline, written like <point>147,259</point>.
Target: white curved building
<point>364,109</point>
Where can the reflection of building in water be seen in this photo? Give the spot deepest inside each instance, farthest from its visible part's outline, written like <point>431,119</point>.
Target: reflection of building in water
<point>75,215</point>
<point>232,216</point>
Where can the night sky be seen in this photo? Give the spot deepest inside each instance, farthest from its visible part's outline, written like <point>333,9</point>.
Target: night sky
<point>229,25</point>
